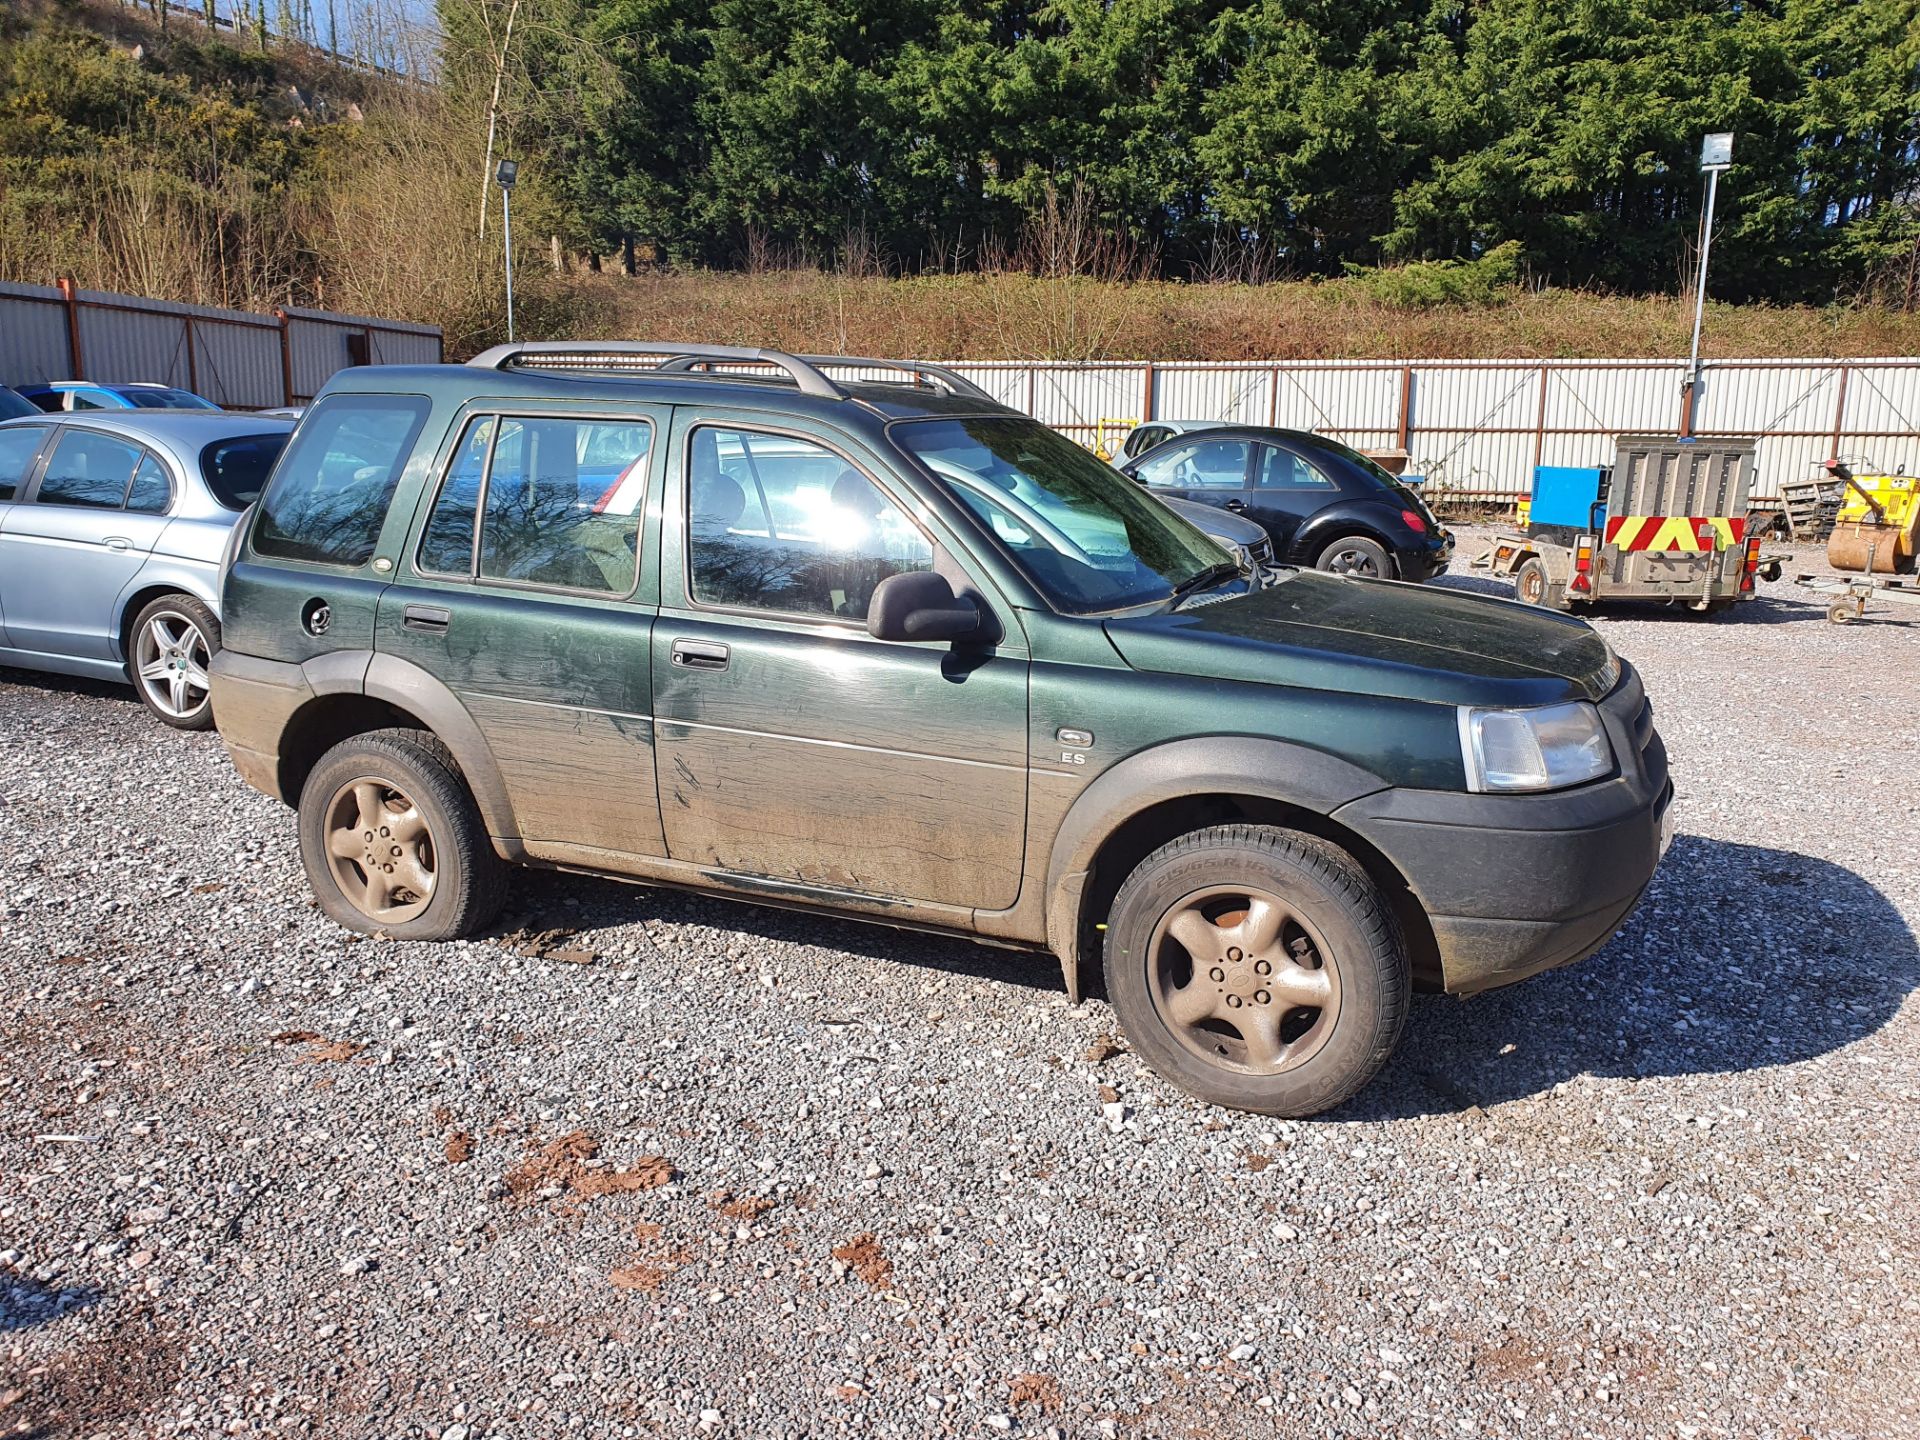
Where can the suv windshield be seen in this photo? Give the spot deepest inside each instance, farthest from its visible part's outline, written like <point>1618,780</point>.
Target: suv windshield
<point>1088,537</point>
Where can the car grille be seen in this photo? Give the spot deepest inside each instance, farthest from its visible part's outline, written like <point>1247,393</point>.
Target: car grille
<point>1261,551</point>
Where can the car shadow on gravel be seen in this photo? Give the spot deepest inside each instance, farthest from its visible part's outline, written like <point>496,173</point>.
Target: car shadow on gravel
<point>26,1303</point>
<point>69,685</point>
<point>540,902</point>
<point>1739,958</point>
<point>1766,610</point>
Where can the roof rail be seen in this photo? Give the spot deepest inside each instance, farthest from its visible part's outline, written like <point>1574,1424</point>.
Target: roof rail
<point>676,359</point>
<point>950,381</point>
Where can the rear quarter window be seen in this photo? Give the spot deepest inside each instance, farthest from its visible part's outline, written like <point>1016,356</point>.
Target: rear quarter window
<point>18,445</point>
<point>330,493</point>
<point>236,470</point>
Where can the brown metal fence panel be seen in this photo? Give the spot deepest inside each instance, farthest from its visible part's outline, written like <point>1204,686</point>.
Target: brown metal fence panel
<point>235,358</point>
<point>33,334</point>
<point>320,342</point>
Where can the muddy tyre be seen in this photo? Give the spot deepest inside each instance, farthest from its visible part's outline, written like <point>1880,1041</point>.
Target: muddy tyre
<point>1257,968</point>
<point>392,840</point>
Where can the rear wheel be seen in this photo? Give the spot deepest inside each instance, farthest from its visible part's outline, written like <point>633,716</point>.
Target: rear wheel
<point>1356,555</point>
<point>393,842</point>
<point>1532,587</point>
<point>170,649</point>
<point>1257,968</point>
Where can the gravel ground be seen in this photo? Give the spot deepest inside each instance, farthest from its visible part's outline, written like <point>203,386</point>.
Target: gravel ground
<point>645,1163</point>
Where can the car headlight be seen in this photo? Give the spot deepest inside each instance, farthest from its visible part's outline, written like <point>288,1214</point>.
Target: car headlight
<point>1546,748</point>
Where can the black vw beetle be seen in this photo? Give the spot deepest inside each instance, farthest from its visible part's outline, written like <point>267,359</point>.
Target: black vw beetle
<point>1324,503</point>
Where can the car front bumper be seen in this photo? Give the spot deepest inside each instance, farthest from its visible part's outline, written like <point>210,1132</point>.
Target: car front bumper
<point>1516,884</point>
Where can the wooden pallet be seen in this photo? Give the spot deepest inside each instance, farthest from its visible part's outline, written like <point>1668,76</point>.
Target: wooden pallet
<point>1812,506</point>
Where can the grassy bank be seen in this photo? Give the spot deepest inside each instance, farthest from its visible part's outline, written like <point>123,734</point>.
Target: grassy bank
<point>1022,317</point>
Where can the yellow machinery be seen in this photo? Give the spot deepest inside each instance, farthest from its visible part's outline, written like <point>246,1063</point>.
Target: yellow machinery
<point>1877,530</point>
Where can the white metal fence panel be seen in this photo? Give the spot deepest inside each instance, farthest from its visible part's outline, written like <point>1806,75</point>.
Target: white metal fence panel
<point>1625,400</point>
<point>1338,400</point>
<point>1078,398</point>
<point>1242,395</point>
<point>1883,401</point>
<point>1476,428</point>
<point>240,365</point>
<point>1787,399</point>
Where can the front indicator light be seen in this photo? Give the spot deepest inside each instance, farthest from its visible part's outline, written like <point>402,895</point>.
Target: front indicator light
<point>1546,748</point>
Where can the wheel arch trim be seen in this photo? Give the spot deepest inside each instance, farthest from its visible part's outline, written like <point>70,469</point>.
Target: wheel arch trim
<point>410,688</point>
<point>1251,766</point>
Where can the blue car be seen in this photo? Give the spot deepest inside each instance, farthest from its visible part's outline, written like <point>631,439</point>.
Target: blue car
<point>59,395</point>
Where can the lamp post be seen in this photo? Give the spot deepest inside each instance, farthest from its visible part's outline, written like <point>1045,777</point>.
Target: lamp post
<point>507,172</point>
<point>1716,155</point>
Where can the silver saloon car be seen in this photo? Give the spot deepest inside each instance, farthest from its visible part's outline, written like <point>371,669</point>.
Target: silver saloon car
<point>112,527</point>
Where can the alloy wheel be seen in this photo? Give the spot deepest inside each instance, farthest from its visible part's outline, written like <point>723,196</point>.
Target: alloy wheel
<point>381,850</point>
<point>171,656</point>
<point>1244,980</point>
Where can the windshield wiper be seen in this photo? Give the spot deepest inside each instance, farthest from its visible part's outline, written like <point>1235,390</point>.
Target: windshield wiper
<point>1225,570</point>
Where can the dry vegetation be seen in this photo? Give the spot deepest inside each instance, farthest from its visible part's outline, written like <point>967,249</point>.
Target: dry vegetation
<point>1020,316</point>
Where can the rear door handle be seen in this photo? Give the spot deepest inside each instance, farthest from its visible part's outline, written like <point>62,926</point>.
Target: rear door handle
<point>700,655</point>
<point>117,542</point>
<point>1235,505</point>
<point>433,619</point>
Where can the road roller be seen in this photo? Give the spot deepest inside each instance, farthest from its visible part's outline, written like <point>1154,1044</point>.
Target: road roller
<point>1877,530</point>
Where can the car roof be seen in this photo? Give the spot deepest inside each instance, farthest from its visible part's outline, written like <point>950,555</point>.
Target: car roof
<point>580,380</point>
<point>1213,432</point>
<point>187,426</point>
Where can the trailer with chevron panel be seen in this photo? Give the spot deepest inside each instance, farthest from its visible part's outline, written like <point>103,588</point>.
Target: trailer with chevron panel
<point>1665,522</point>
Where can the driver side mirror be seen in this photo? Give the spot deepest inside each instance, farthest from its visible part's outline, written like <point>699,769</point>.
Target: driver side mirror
<point>920,605</point>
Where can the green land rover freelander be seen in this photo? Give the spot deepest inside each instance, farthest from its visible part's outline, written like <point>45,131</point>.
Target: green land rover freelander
<point>850,635</point>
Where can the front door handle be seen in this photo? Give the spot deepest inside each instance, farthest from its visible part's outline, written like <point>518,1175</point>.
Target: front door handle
<point>433,619</point>
<point>118,542</point>
<point>700,655</point>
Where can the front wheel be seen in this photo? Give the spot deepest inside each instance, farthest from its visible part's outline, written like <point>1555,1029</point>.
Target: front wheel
<point>1356,555</point>
<point>1257,968</point>
<point>393,842</point>
<point>173,642</point>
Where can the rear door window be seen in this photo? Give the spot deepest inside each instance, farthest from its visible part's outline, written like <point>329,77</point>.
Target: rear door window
<point>1281,469</point>
<point>90,470</point>
<point>18,445</point>
<point>329,495</point>
<point>561,509</point>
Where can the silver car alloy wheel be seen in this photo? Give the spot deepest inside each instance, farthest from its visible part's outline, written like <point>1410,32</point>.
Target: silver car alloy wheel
<point>170,663</point>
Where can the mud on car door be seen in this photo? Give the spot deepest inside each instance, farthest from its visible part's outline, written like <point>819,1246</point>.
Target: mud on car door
<point>524,594</point>
<point>792,744</point>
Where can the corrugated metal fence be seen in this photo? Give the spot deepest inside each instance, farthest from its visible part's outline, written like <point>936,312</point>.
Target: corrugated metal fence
<point>1476,428</point>
<point>233,357</point>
